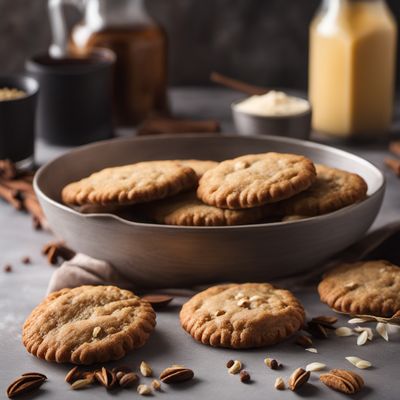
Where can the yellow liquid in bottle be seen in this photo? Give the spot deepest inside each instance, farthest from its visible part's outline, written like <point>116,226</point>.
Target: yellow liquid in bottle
<point>352,68</point>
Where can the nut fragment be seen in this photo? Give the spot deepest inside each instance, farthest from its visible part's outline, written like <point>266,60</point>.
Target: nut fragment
<point>315,366</point>
<point>25,383</point>
<point>272,363</point>
<point>279,384</point>
<point>244,376</point>
<point>381,328</point>
<point>344,331</point>
<point>362,338</point>
<point>229,363</point>
<point>106,378</point>
<point>343,381</point>
<point>235,368</point>
<point>145,369</point>
<point>80,384</point>
<point>144,390</point>
<point>156,385</point>
<point>244,302</point>
<point>304,341</point>
<point>358,362</point>
<point>298,379</point>
<point>311,350</point>
<point>72,375</point>
<point>127,379</point>
<point>96,331</point>
<point>176,375</point>
<point>357,321</point>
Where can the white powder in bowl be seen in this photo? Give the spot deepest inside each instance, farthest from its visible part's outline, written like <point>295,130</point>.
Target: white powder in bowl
<point>273,103</point>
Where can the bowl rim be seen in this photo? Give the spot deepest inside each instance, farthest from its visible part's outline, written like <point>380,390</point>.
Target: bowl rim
<point>306,221</point>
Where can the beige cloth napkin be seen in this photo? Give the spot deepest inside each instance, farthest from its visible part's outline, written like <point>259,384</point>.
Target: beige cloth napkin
<point>85,270</point>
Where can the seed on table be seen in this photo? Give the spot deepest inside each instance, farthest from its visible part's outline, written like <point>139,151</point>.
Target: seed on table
<point>244,376</point>
<point>145,369</point>
<point>235,368</point>
<point>156,385</point>
<point>80,384</point>
<point>279,384</point>
<point>144,390</point>
<point>26,260</point>
<point>7,268</point>
<point>271,363</point>
<point>229,363</point>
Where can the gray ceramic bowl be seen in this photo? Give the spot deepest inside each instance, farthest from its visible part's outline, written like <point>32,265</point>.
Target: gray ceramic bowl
<point>166,256</point>
<point>296,126</point>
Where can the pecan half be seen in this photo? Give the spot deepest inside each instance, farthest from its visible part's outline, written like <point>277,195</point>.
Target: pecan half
<point>25,383</point>
<point>343,381</point>
<point>298,379</point>
<point>176,375</point>
<point>127,379</point>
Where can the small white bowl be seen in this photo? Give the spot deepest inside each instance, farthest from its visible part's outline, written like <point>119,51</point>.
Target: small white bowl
<point>295,125</point>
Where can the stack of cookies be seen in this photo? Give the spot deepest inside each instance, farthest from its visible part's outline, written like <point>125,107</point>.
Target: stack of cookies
<point>249,189</point>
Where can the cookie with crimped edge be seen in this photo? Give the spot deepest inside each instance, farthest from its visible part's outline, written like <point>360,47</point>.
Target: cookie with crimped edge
<point>130,184</point>
<point>332,190</point>
<point>256,179</point>
<point>88,324</point>
<point>364,287</point>
<point>242,316</point>
<point>187,210</point>
<point>199,166</point>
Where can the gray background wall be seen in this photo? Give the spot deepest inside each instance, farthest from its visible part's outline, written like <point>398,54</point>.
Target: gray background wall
<point>262,41</point>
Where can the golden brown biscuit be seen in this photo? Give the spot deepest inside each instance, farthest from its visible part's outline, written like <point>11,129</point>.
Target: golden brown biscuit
<point>187,210</point>
<point>365,287</point>
<point>199,166</point>
<point>333,189</point>
<point>130,184</point>
<point>256,179</point>
<point>242,315</point>
<point>88,324</point>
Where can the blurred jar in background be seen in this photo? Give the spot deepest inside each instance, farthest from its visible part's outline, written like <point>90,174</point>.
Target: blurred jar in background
<point>352,68</point>
<point>140,44</point>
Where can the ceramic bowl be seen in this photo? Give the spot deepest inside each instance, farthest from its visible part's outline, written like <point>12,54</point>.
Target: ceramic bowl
<point>154,255</point>
<point>296,126</point>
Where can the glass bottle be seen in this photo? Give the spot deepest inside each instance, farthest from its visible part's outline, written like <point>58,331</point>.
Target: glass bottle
<point>140,44</point>
<point>352,68</point>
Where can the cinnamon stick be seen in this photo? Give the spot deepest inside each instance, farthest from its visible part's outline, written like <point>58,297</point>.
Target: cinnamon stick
<point>18,185</point>
<point>155,126</point>
<point>393,164</point>
<point>7,169</point>
<point>237,85</point>
<point>56,251</point>
<point>32,205</point>
<point>394,147</point>
<point>11,196</point>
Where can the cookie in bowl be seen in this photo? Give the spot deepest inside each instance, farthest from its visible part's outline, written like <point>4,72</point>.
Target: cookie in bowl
<point>131,184</point>
<point>242,316</point>
<point>88,324</point>
<point>187,210</point>
<point>332,190</point>
<point>254,180</point>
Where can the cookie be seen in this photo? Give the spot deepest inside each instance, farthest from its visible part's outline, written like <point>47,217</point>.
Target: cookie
<point>256,179</point>
<point>242,316</point>
<point>333,189</point>
<point>365,287</point>
<point>199,166</point>
<point>187,210</point>
<point>88,324</point>
<point>130,184</point>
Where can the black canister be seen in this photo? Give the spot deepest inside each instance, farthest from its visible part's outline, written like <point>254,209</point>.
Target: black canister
<point>17,120</point>
<point>75,101</point>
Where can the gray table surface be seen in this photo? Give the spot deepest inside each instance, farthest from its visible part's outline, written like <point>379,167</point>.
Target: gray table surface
<point>22,289</point>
